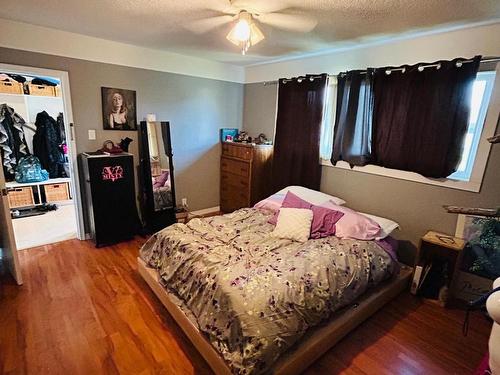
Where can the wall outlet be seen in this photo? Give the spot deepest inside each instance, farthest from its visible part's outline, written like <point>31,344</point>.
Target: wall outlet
<point>92,136</point>
<point>184,202</point>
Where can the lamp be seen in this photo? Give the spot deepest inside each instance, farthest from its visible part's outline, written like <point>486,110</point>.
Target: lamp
<point>245,33</point>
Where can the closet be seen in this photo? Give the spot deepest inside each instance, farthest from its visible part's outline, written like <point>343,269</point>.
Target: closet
<point>36,148</point>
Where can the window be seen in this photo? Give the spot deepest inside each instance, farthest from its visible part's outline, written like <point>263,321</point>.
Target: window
<point>481,93</point>
<point>465,177</point>
<point>326,137</point>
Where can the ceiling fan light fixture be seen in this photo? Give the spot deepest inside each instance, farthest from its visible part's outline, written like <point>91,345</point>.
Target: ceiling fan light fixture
<point>241,31</point>
<point>245,32</point>
<point>256,35</point>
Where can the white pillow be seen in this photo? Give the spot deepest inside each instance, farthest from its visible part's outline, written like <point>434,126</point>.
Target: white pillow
<point>386,225</point>
<point>312,196</point>
<point>293,224</point>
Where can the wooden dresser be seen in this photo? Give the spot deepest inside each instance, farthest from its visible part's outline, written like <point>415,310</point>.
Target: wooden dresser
<point>245,176</point>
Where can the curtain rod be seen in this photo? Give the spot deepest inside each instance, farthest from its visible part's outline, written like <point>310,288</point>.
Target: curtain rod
<point>486,60</point>
<point>291,79</point>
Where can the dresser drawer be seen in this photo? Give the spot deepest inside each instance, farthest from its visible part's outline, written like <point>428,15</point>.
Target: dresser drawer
<point>239,168</point>
<point>230,179</point>
<point>231,199</point>
<point>237,151</point>
<point>234,193</point>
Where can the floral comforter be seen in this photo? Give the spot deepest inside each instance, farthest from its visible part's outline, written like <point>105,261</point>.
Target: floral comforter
<point>254,295</point>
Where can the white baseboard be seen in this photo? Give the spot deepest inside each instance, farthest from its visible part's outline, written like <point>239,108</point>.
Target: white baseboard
<point>204,211</point>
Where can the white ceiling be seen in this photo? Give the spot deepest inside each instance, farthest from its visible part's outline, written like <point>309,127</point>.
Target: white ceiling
<point>163,24</point>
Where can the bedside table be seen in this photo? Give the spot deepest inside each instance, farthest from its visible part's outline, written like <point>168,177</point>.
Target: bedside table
<point>444,253</point>
<point>182,216</point>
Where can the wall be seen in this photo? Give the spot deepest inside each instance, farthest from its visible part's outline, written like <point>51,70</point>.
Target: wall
<point>196,108</point>
<point>27,37</point>
<point>416,206</point>
<point>259,114</point>
<point>466,42</point>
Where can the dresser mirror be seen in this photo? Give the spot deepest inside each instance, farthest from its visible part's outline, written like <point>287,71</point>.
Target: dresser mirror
<point>158,189</point>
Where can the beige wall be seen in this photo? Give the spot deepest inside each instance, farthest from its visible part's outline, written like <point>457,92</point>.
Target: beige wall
<point>196,108</point>
<point>417,207</point>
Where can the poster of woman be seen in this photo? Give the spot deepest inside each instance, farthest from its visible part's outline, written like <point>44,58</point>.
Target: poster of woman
<point>118,109</point>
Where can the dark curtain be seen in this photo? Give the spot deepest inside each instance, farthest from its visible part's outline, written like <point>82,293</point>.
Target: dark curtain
<point>421,116</point>
<point>298,123</point>
<point>353,118</point>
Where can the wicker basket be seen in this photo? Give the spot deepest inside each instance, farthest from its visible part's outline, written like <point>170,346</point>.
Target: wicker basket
<point>56,192</point>
<point>11,87</point>
<point>41,90</point>
<point>20,197</point>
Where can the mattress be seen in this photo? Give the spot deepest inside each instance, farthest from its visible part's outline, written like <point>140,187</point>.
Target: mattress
<point>253,295</point>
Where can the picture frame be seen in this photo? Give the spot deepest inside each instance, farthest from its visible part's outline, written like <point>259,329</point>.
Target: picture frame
<point>228,134</point>
<point>476,274</point>
<point>119,109</point>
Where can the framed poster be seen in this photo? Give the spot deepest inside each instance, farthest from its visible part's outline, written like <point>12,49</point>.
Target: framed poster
<point>481,258</point>
<point>118,109</point>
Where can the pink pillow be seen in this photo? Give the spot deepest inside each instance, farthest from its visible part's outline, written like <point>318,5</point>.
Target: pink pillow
<point>272,203</point>
<point>324,220</point>
<point>353,224</point>
<point>290,201</point>
<point>161,179</point>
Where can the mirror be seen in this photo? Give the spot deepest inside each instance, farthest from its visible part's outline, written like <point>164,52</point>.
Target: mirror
<point>157,175</point>
<point>159,161</point>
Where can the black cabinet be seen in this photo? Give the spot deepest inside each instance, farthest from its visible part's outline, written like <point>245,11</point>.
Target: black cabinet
<point>110,197</point>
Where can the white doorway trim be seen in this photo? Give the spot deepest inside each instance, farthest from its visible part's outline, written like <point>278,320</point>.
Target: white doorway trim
<point>68,128</point>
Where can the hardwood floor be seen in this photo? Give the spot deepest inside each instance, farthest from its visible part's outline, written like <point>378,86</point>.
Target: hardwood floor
<point>84,310</point>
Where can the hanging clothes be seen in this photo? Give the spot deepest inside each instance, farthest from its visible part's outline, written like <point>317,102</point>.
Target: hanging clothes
<point>13,144</point>
<point>60,127</point>
<point>47,145</point>
<point>63,146</point>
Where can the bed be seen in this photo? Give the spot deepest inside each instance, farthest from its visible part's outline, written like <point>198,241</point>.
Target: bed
<point>254,304</point>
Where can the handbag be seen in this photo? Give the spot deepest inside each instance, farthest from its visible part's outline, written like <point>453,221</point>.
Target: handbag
<point>29,169</point>
<point>110,148</point>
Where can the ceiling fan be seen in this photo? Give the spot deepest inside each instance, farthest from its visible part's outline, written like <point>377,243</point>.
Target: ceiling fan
<point>245,31</point>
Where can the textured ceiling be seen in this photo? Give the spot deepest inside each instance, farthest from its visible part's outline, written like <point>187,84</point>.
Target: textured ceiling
<point>163,24</point>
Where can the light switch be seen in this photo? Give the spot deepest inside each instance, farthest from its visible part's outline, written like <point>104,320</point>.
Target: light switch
<point>92,135</point>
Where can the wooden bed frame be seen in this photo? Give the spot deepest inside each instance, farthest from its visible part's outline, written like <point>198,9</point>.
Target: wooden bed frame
<point>312,346</point>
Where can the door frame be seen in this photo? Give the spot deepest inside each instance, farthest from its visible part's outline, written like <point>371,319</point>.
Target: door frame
<point>8,242</point>
<point>63,77</point>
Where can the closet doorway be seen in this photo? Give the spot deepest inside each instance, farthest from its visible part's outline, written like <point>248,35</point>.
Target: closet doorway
<point>38,154</point>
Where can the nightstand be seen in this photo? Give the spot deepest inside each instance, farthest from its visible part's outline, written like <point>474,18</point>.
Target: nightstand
<point>436,265</point>
<point>182,216</point>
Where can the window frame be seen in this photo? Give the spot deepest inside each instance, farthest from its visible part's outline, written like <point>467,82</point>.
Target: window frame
<point>480,162</point>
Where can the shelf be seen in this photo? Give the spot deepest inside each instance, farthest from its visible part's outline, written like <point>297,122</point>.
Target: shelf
<point>444,240</point>
<point>475,211</point>
<point>494,139</point>
<point>14,184</point>
<point>31,96</point>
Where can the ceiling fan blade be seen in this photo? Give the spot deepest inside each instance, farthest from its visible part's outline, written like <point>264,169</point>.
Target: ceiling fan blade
<point>291,22</point>
<point>207,24</point>
<point>260,6</point>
